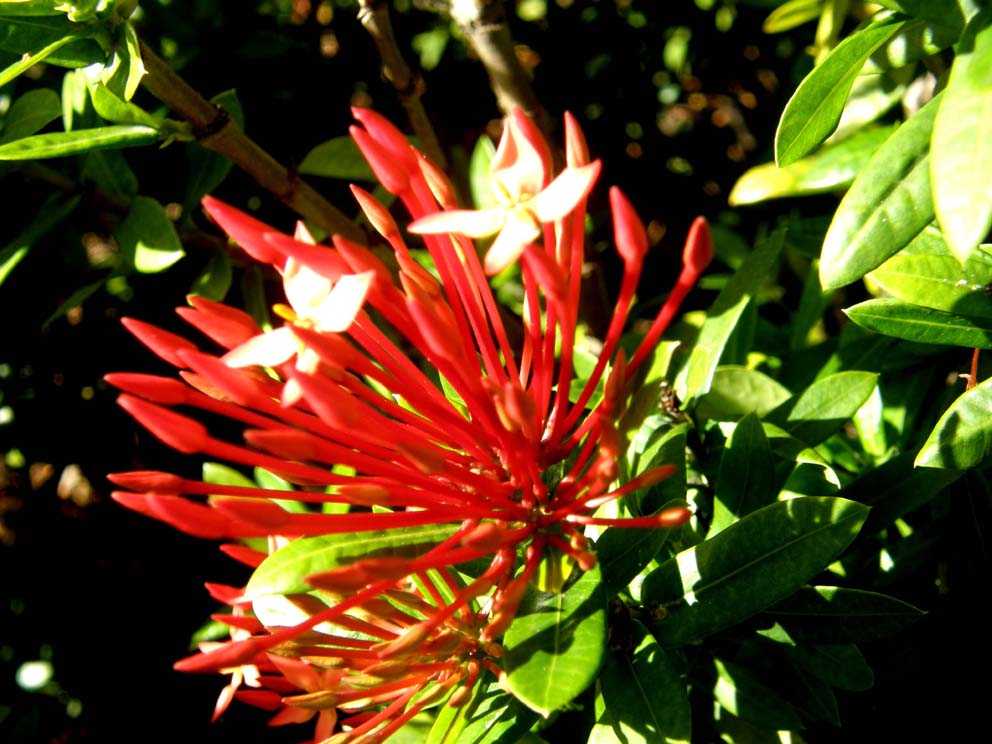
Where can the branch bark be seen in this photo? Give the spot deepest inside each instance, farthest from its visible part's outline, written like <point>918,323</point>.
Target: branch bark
<point>216,131</point>
<point>408,84</point>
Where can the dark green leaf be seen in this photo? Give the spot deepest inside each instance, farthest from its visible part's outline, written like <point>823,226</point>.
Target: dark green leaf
<point>888,205</point>
<point>963,436</point>
<point>644,691</point>
<point>961,156</point>
<point>30,113</point>
<point>76,299</point>
<point>147,237</point>
<point>737,391</point>
<point>554,647</point>
<point>109,170</point>
<point>837,664</point>
<point>207,169</point>
<point>921,324</point>
<point>722,318</point>
<point>740,693</point>
<point>623,553</point>
<point>337,158</point>
<point>830,614</point>
<point>815,108</point>
<point>823,407</point>
<point>62,144</point>
<point>747,476</point>
<point>285,571</point>
<point>53,211</point>
<point>216,278</point>
<point>652,447</point>
<point>30,35</point>
<point>831,169</point>
<point>937,282</point>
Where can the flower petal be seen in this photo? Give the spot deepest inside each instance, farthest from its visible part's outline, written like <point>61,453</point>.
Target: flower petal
<point>474,223</point>
<point>518,166</point>
<point>267,350</point>
<point>520,229</point>
<point>337,312</point>
<point>572,186</point>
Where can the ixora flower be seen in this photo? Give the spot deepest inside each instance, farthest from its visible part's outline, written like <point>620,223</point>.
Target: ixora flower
<point>438,469</point>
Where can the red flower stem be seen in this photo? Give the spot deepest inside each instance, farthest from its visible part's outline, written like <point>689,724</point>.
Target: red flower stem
<point>664,318</point>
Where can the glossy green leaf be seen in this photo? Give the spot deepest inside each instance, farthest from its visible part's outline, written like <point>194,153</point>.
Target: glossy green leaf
<point>479,180</point>
<point>554,647</point>
<point>722,318</point>
<point>217,474</point>
<point>654,446</point>
<point>815,108</point>
<point>961,155</point>
<point>285,571</point>
<point>742,694</point>
<point>62,144</point>
<point>737,391</point>
<point>623,553</point>
<point>937,282</point>
<point>831,169</point>
<point>491,716</point>
<point>337,158</point>
<point>55,209</point>
<point>28,8</point>
<point>747,477</point>
<point>749,566</point>
<point>30,113</point>
<point>921,324</point>
<point>871,97</point>
<point>216,278</point>
<point>147,237</point>
<point>918,39</point>
<point>644,691</point>
<point>839,664</point>
<point>31,59</point>
<point>136,68</point>
<point>888,205</point>
<point>823,407</point>
<point>61,41</point>
<point>963,436</point>
<point>830,614</point>
<point>119,111</point>
<point>949,13</point>
<point>791,14</point>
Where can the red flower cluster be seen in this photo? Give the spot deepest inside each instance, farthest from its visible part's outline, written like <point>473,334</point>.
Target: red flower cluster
<point>397,392</point>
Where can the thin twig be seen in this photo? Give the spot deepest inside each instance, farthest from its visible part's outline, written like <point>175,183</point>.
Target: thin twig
<point>216,131</point>
<point>409,85</point>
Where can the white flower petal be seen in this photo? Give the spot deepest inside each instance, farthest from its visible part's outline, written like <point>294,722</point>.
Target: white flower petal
<point>338,311</point>
<point>562,194</point>
<point>520,229</point>
<point>267,350</point>
<point>305,289</point>
<point>475,223</point>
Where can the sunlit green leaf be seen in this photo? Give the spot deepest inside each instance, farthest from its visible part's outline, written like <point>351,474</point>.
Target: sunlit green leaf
<point>742,694</point>
<point>888,205</point>
<point>60,41</point>
<point>30,113</point>
<point>285,571</point>
<point>62,144</point>
<point>791,14</point>
<point>937,282</point>
<point>337,158</point>
<point>491,716</point>
<point>961,156</point>
<point>554,647</point>
<point>119,111</point>
<point>737,391</point>
<point>749,566</point>
<point>479,180</point>
<point>147,237</point>
<point>963,436</point>
<point>823,407</point>
<point>815,108</point>
<point>746,480</point>
<point>921,324</point>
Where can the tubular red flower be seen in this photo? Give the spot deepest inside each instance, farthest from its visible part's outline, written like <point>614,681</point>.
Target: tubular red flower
<point>401,399</point>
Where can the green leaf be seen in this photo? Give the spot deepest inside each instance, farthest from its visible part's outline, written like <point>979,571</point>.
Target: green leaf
<point>55,209</point>
<point>119,111</point>
<point>948,13</point>
<point>623,553</point>
<point>147,237</point>
<point>921,324</point>
<point>208,169</point>
<point>791,14</point>
<point>60,41</point>
<point>479,179</point>
<point>554,647</point>
<point>830,614</point>
<point>217,474</point>
<point>656,445</point>
<point>136,68</point>
<point>961,154</point>
<point>823,407</point>
<point>28,8</point>
<point>430,46</point>
<point>31,59</point>
<point>747,476</point>
<point>644,691</point>
<point>815,108</point>
<point>737,391</point>
<point>285,571</point>
<point>838,664</point>
<point>831,169</point>
<point>491,716</point>
<point>62,144</point>
<point>963,437</point>
<point>749,566</point>
<point>109,170</point>
<point>337,158</point>
<point>216,278</point>
<point>918,39</point>
<point>30,113</point>
<point>937,282</point>
<point>888,205</point>
<point>742,694</point>
<point>722,318</point>
<point>74,300</point>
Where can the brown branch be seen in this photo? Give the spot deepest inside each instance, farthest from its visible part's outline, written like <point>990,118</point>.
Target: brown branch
<point>483,23</point>
<point>216,131</point>
<point>409,85</point>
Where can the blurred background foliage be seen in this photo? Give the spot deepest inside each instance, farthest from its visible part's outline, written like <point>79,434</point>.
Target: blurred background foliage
<point>678,98</point>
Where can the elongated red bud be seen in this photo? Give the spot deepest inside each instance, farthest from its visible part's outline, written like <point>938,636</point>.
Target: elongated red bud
<point>548,273</point>
<point>320,259</point>
<point>290,444</point>
<point>378,216</point>
<point>235,384</point>
<point>227,656</point>
<point>698,251</point>
<point>629,235</point>
<point>409,640</point>
<point>148,480</point>
<point>162,343</point>
<point>189,517</point>
<point>391,174</point>
<point>163,390</point>
<point>576,149</point>
<point>438,183</point>
<point>243,554</point>
<point>386,134</point>
<point>178,431</point>
<point>245,230</point>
